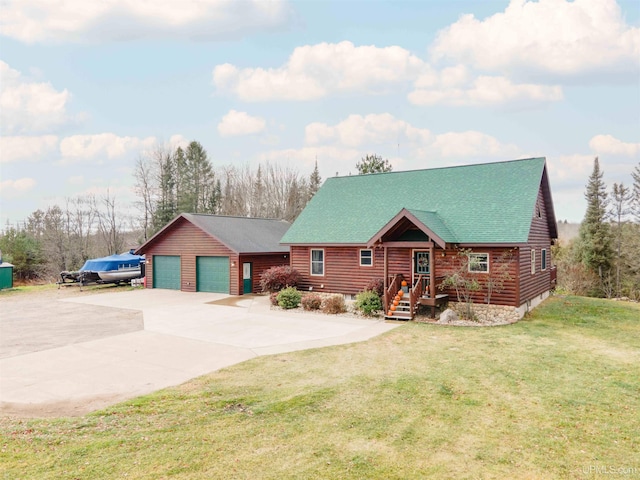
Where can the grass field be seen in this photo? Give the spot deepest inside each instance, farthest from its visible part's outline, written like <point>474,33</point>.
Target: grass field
<point>556,395</point>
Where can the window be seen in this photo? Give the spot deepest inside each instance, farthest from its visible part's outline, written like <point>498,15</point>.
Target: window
<point>421,263</point>
<point>317,262</point>
<point>543,259</point>
<point>479,262</point>
<point>533,261</point>
<point>366,258</point>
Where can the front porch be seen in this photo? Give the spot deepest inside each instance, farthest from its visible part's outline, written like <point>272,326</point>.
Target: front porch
<point>401,302</point>
<point>410,247</point>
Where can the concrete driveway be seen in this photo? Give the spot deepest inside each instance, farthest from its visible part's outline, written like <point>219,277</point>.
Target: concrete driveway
<point>180,336</point>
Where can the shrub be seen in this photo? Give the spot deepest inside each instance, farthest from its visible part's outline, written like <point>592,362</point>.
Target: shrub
<point>312,301</point>
<point>277,278</point>
<point>368,302</point>
<point>375,285</point>
<point>289,297</point>
<point>334,304</point>
<point>273,298</point>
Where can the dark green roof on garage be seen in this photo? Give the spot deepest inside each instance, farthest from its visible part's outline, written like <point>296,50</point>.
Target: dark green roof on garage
<point>491,203</point>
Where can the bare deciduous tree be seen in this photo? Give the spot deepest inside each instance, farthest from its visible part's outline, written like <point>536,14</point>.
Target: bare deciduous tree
<point>109,224</point>
<point>144,173</point>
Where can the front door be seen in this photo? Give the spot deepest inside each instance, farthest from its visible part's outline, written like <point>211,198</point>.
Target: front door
<point>420,265</point>
<point>247,281</point>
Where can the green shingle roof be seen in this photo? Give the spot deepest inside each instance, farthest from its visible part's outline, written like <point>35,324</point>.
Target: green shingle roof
<point>485,203</point>
<point>435,223</point>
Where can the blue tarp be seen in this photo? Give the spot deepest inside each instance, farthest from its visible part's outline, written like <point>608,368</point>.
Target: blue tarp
<point>112,262</point>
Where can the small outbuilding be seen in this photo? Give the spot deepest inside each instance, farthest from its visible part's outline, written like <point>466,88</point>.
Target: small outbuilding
<point>214,253</point>
<point>6,275</point>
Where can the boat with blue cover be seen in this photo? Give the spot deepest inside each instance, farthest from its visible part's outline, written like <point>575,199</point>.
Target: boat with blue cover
<point>116,268</point>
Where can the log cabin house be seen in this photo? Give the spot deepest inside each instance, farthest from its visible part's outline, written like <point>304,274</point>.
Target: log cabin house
<point>214,253</point>
<point>411,226</point>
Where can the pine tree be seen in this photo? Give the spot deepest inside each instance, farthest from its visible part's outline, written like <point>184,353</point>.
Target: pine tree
<point>216,198</point>
<point>257,209</point>
<point>594,245</point>
<point>182,199</point>
<point>166,207</point>
<point>196,179</point>
<point>635,194</point>
<point>621,197</point>
<point>373,164</point>
<point>314,181</point>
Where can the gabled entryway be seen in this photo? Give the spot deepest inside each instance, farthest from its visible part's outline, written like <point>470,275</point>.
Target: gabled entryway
<point>410,246</point>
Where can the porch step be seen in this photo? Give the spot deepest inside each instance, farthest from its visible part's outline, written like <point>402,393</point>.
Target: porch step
<point>402,311</point>
<point>399,316</point>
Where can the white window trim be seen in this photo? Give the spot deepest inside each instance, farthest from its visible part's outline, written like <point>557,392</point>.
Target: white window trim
<point>478,271</point>
<point>311,262</point>
<point>360,257</point>
<point>544,259</point>
<point>533,261</point>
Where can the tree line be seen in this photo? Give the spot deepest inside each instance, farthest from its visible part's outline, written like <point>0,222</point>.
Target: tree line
<point>604,260</point>
<point>173,181</point>
<point>63,238</point>
<point>167,182</point>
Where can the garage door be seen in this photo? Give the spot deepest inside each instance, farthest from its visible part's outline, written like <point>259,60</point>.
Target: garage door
<point>166,271</point>
<point>212,274</point>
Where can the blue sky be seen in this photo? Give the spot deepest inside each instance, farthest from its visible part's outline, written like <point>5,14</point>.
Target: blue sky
<point>88,87</point>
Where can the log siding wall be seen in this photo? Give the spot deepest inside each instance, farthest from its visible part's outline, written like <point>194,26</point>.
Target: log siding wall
<point>498,256</point>
<point>342,270</point>
<point>261,263</point>
<point>343,273</point>
<point>532,285</point>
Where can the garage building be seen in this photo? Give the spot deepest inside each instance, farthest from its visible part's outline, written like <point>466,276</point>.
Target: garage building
<point>214,253</point>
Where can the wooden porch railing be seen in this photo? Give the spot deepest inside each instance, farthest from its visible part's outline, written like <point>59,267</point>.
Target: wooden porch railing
<point>418,294</point>
<point>394,284</point>
<point>415,293</point>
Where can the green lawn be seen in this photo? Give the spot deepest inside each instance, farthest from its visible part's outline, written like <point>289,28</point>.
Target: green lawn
<point>556,395</point>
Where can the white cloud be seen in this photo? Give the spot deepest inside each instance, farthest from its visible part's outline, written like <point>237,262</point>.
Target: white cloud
<point>339,147</point>
<point>33,21</point>
<point>178,141</point>
<point>552,36</point>
<point>357,130</point>
<point>609,145</point>
<point>237,123</point>
<point>386,132</point>
<point>471,145</point>
<point>570,170</point>
<point>22,148</point>
<point>15,188</point>
<point>79,148</point>
<point>454,86</point>
<point>28,107</point>
<point>315,71</point>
